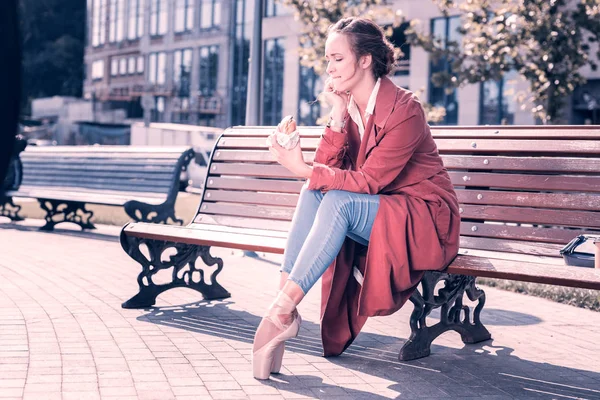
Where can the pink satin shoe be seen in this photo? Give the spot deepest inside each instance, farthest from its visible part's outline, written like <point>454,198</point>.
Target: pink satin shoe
<point>268,358</point>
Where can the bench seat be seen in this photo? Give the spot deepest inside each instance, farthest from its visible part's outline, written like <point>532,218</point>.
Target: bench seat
<point>91,196</point>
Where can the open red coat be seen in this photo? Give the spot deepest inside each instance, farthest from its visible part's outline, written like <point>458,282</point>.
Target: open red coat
<point>417,224</point>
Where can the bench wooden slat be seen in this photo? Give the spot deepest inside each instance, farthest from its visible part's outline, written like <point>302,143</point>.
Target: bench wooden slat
<point>257,170</point>
<point>260,185</point>
<point>587,278</point>
<point>268,199</point>
<point>241,241</point>
<point>500,146</point>
<point>259,143</point>
<point>254,155</point>
<point>101,197</point>
<point>526,215</point>
<point>534,234</point>
<point>541,164</point>
<point>252,211</point>
<point>527,181</point>
<point>567,201</point>
<point>514,131</point>
<point>494,146</point>
<point>231,229</point>
<point>241,222</point>
<point>511,246</point>
<point>87,187</point>
<point>265,131</point>
<point>164,175</point>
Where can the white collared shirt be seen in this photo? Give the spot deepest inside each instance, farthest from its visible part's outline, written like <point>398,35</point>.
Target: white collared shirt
<point>355,114</point>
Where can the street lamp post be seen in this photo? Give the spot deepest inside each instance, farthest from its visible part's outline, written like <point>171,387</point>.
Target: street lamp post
<point>253,98</point>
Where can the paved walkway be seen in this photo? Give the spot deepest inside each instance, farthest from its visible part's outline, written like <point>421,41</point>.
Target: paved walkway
<point>63,335</point>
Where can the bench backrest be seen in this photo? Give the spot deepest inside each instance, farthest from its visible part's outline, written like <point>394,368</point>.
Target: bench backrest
<point>519,184</point>
<point>105,168</point>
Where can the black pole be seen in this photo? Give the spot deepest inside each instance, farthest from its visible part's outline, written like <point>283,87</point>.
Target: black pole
<point>253,99</point>
<point>10,81</point>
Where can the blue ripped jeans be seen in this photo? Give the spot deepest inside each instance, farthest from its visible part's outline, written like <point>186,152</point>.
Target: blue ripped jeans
<point>320,224</point>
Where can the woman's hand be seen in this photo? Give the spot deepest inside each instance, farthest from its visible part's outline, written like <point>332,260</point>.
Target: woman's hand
<point>291,159</point>
<point>337,100</point>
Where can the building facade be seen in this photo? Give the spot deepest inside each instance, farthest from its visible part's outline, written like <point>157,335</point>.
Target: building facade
<point>186,61</point>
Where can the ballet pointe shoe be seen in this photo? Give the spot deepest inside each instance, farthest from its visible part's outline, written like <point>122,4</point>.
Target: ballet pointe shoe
<point>268,357</point>
<point>277,358</point>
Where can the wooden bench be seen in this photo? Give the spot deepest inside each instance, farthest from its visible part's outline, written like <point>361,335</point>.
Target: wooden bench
<point>143,180</point>
<point>524,193</point>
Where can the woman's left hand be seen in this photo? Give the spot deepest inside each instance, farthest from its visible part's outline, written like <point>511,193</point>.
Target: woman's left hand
<point>291,159</point>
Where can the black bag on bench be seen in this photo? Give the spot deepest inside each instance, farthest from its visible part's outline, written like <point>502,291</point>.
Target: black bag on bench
<point>579,252</point>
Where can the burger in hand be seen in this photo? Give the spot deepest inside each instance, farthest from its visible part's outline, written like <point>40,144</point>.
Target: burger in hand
<point>286,133</point>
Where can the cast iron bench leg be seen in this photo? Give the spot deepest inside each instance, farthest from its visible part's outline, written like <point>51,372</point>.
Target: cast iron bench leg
<point>450,301</point>
<point>9,209</point>
<point>184,272</point>
<point>73,211</point>
<point>144,212</point>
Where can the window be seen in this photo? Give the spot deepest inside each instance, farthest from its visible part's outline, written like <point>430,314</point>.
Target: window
<point>136,19</point>
<point>99,23</point>
<point>273,81</point>
<point>140,65</point>
<point>98,70</point>
<point>184,15</point>
<point>89,22</point>
<point>310,86</point>
<point>157,68</point>
<point>116,18</point>
<point>209,66</point>
<point>275,8</point>
<point>444,28</point>
<point>158,113</point>
<point>158,17</point>
<point>182,69</point>
<point>270,8</point>
<point>123,66</point>
<point>210,14</point>
<point>497,104</point>
<point>398,39</point>
<point>114,67</point>
<point>131,65</point>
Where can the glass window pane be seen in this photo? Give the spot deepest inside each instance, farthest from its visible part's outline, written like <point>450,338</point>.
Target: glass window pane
<point>273,81</point>
<point>114,67</point>
<point>152,68</point>
<point>177,66</point>
<point>162,18</point>
<point>131,65</point>
<point>189,17</point>
<point>140,65</point>
<point>123,66</point>
<point>161,75</point>
<point>217,13</point>
<point>112,19</point>
<point>154,17</point>
<point>180,15</point>
<point>120,19</point>
<point>206,20</point>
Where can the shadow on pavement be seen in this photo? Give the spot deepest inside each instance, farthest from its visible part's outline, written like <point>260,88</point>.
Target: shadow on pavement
<point>67,229</point>
<point>480,370</point>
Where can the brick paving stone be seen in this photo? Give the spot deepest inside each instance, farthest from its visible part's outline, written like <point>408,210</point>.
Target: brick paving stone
<point>227,394</point>
<point>80,395</point>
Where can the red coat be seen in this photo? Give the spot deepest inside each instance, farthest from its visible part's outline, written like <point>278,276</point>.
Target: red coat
<point>417,225</point>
